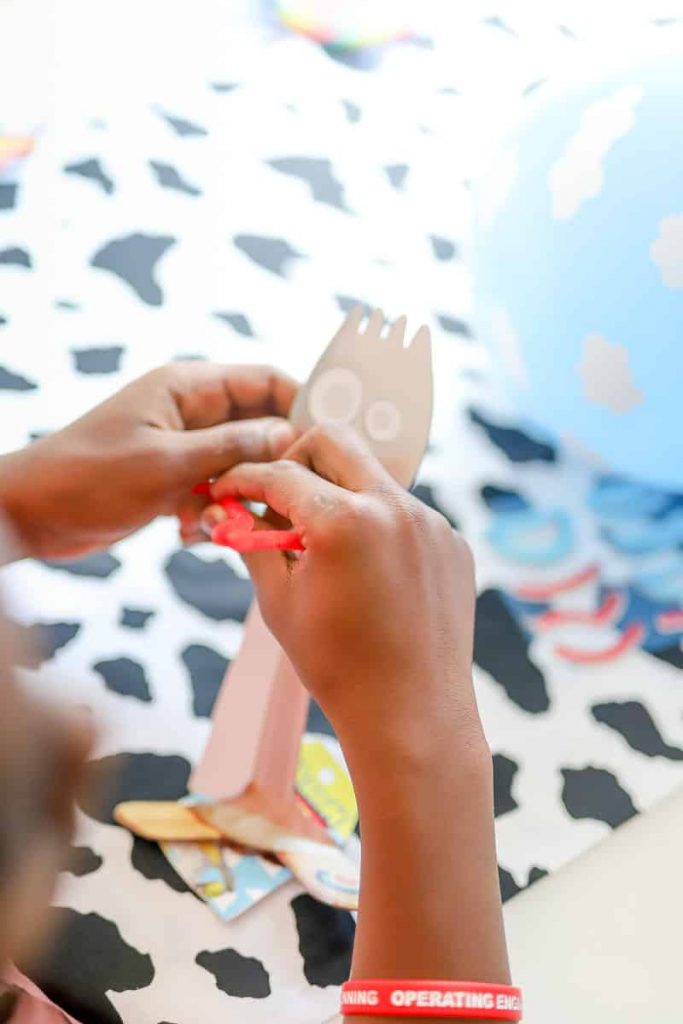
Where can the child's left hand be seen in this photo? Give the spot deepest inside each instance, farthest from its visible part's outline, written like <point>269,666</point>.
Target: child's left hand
<point>138,455</point>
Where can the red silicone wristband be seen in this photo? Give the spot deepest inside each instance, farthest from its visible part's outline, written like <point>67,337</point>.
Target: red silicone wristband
<point>471,999</point>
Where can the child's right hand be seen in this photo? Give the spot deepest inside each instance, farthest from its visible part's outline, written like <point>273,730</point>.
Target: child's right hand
<point>377,613</point>
<point>377,618</point>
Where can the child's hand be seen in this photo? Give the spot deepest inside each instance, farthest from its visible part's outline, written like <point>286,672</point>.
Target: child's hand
<point>377,618</point>
<point>138,455</point>
<point>377,613</point>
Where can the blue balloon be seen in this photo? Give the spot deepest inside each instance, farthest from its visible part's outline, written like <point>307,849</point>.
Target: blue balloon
<point>578,269</point>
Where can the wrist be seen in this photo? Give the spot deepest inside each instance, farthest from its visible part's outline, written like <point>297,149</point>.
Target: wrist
<point>423,747</point>
<point>405,785</point>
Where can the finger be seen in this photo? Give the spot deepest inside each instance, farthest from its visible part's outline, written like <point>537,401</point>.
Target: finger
<point>211,393</point>
<point>339,454</point>
<point>211,451</point>
<point>291,489</point>
<point>189,511</point>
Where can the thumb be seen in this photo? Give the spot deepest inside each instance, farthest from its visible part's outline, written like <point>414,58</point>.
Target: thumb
<point>212,450</point>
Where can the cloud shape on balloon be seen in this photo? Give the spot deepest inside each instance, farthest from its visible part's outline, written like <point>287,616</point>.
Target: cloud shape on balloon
<point>507,345</point>
<point>495,188</point>
<point>606,375</point>
<point>579,173</point>
<point>667,251</point>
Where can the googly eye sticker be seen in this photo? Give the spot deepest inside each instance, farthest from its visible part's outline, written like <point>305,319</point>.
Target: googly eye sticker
<point>383,421</point>
<point>336,396</point>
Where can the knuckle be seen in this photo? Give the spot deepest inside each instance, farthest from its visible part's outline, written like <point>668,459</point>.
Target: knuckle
<point>462,552</point>
<point>164,373</point>
<point>442,528</point>
<point>409,514</point>
<point>282,469</point>
<point>339,521</point>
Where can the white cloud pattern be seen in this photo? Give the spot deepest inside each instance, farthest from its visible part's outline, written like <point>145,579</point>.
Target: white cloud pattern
<point>606,375</point>
<point>495,188</point>
<point>579,175</point>
<point>507,346</point>
<point>667,251</point>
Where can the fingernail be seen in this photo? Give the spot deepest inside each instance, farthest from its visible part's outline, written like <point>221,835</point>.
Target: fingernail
<point>280,436</point>
<point>212,516</point>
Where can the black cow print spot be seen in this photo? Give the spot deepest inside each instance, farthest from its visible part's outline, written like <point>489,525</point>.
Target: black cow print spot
<point>501,649</point>
<point>672,655</point>
<point>82,861</point>
<point>210,587</point>
<point>42,640</point>
<point>453,325</point>
<point>148,859</point>
<point>130,776</point>
<point>325,941</point>
<point>169,177</point>
<point>182,126</point>
<point>125,676</point>
<point>93,170</point>
<point>533,86</point>
<point>347,302</point>
<point>318,175</point>
<point>397,174</point>
<point>225,86</point>
<point>89,958</point>
<point>495,22</point>
<point>135,618</point>
<point>317,721</point>
<point>14,381</point>
<point>133,259</point>
<point>101,565</point>
<point>443,248</point>
<point>633,721</point>
<point>495,497</point>
<point>275,254</point>
<point>66,304</point>
<point>596,793</point>
<point>504,771</point>
<point>236,975</point>
<point>98,360</point>
<point>238,321</point>
<point>425,494</point>
<point>352,111</point>
<point>8,196</point>
<point>15,257</point>
<point>508,885</point>
<point>207,669</point>
<point>518,446</point>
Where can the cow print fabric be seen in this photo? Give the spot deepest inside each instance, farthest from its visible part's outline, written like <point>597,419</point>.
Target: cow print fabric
<point>228,198</point>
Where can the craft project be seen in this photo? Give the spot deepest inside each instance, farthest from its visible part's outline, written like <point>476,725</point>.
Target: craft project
<point>246,778</point>
<point>230,878</point>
